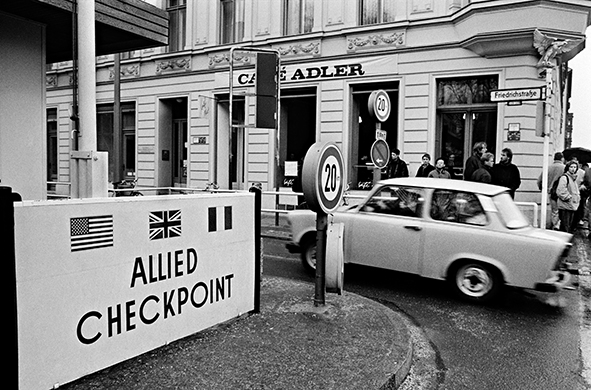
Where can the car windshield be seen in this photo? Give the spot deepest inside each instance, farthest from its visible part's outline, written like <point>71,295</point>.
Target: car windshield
<point>509,213</point>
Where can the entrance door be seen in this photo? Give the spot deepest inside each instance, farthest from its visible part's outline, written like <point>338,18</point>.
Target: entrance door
<point>179,152</point>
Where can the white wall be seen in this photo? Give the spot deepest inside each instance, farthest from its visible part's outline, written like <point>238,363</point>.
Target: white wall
<point>22,107</point>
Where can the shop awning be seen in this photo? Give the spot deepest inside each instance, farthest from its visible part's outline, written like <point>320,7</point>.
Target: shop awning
<point>121,25</point>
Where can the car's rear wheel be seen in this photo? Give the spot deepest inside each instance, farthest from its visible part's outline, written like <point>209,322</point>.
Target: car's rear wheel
<point>475,281</point>
<point>308,253</point>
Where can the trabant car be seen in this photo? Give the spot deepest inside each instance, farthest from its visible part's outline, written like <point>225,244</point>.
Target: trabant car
<point>470,234</point>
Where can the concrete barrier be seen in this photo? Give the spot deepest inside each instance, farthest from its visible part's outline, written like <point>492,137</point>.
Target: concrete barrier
<point>102,280</point>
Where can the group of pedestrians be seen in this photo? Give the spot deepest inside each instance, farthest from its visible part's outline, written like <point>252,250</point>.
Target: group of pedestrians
<point>479,167</point>
<point>573,187</point>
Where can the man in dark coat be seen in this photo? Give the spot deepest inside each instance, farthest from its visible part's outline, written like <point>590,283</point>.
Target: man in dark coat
<point>473,162</point>
<point>482,174</point>
<point>396,167</point>
<point>505,173</point>
<point>426,166</point>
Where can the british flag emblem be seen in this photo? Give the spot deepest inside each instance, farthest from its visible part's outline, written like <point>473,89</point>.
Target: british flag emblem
<point>165,224</point>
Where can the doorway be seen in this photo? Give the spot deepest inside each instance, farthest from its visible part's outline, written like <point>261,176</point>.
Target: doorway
<point>230,144</point>
<point>465,115</point>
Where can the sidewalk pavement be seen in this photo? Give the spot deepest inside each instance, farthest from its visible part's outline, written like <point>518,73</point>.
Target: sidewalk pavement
<point>350,343</point>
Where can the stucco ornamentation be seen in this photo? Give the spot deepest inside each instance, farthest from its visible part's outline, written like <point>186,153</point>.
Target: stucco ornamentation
<point>312,48</point>
<point>126,71</point>
<point>376,41</point>
<point>173,65</point>
<point>224,59</point>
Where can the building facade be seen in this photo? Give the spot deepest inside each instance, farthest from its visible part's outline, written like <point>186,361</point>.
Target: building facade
<point>438,61</point>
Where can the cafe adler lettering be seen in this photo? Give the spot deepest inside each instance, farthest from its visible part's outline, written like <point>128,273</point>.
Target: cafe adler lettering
<point>309,73</point>
<point>126,316</point>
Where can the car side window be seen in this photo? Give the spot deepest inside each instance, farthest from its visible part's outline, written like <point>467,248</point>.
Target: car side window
<point>404,201</point>
<point>459,207</point>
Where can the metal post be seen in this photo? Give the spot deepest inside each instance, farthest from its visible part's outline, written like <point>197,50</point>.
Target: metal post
<point>117,138</point>
<point>546,150</point>
<point>9,261</point>
<point>258,251</point>
<point>320,284</point>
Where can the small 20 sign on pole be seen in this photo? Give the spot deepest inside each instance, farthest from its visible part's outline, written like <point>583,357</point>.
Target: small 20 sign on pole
<point>323,176</point>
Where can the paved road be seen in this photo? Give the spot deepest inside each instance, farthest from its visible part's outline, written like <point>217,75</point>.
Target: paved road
<point>518,343</point>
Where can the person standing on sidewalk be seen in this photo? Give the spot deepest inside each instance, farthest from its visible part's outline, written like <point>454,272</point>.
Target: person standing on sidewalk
<point>396,167</point>
<point>568,196</point>
<point>426,166</point>
<point>473,162</point>
<point>440,172</point>
<point>483,175</point>
<point>505,173</point>
<point>554,172</point>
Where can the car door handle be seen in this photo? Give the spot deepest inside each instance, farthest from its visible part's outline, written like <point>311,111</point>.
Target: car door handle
<point>413,227</point>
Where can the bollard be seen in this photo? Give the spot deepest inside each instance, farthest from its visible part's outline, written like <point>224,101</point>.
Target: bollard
<point>258,252</point>
<point>8,259</point>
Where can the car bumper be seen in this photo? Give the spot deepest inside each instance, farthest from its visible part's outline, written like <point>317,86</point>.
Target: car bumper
<point>555,283</point>
<point>293,248</point>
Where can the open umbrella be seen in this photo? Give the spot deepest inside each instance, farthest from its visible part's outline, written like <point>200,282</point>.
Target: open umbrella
<point>582,154</point>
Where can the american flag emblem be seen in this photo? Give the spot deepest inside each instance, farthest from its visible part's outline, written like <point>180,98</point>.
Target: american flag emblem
<point>91,232</point>
<point>165,224</point>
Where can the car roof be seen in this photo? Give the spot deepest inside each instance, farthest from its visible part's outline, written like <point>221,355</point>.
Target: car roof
<point>446,184</point>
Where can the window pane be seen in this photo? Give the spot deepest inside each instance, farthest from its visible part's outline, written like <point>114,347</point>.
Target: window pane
<point>460,207</point>
<point>389,11</point>
<point>227,21</point>
<point>403,201</point>
<point>292,17</point>
<point>465,90</point>
<point>369,12</point>
<point>309,16</point>
<point>177,25</point>
<point>239,21</point>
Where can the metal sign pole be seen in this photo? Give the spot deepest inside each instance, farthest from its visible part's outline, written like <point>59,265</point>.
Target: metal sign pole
<point>546,151</point>
<point>320,283</point>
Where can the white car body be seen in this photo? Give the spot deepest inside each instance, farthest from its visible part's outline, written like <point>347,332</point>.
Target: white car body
<point>447,227</point>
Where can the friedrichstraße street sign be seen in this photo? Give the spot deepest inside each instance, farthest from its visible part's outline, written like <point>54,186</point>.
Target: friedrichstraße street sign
<point>517,94</point>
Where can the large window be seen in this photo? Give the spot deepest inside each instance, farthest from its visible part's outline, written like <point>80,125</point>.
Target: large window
<point>106,137</point>
<point>376,11</point>
<point>177,13</point>
<point>298,16</point>
<point>465,115</point>
<point>232,23</point>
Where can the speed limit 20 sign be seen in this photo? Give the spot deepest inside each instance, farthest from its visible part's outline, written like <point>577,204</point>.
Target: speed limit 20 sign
<point>379,105</point>
<point>323,177</point>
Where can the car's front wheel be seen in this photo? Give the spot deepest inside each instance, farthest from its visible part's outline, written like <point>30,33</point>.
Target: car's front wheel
<point>475,281</point>
<point>308,253</point>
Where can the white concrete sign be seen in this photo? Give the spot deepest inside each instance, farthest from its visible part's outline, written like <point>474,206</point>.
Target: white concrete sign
<point>102,280</point>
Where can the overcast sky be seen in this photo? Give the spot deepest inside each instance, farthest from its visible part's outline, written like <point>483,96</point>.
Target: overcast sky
<point>581,96</point>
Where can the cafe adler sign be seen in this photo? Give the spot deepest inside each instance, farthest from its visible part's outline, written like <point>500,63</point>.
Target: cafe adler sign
<point>326,70</point>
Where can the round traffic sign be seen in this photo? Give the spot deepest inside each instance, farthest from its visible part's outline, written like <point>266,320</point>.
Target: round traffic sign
<point>380,153</point>
<point>379,105</point>
<point>323,175</point>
